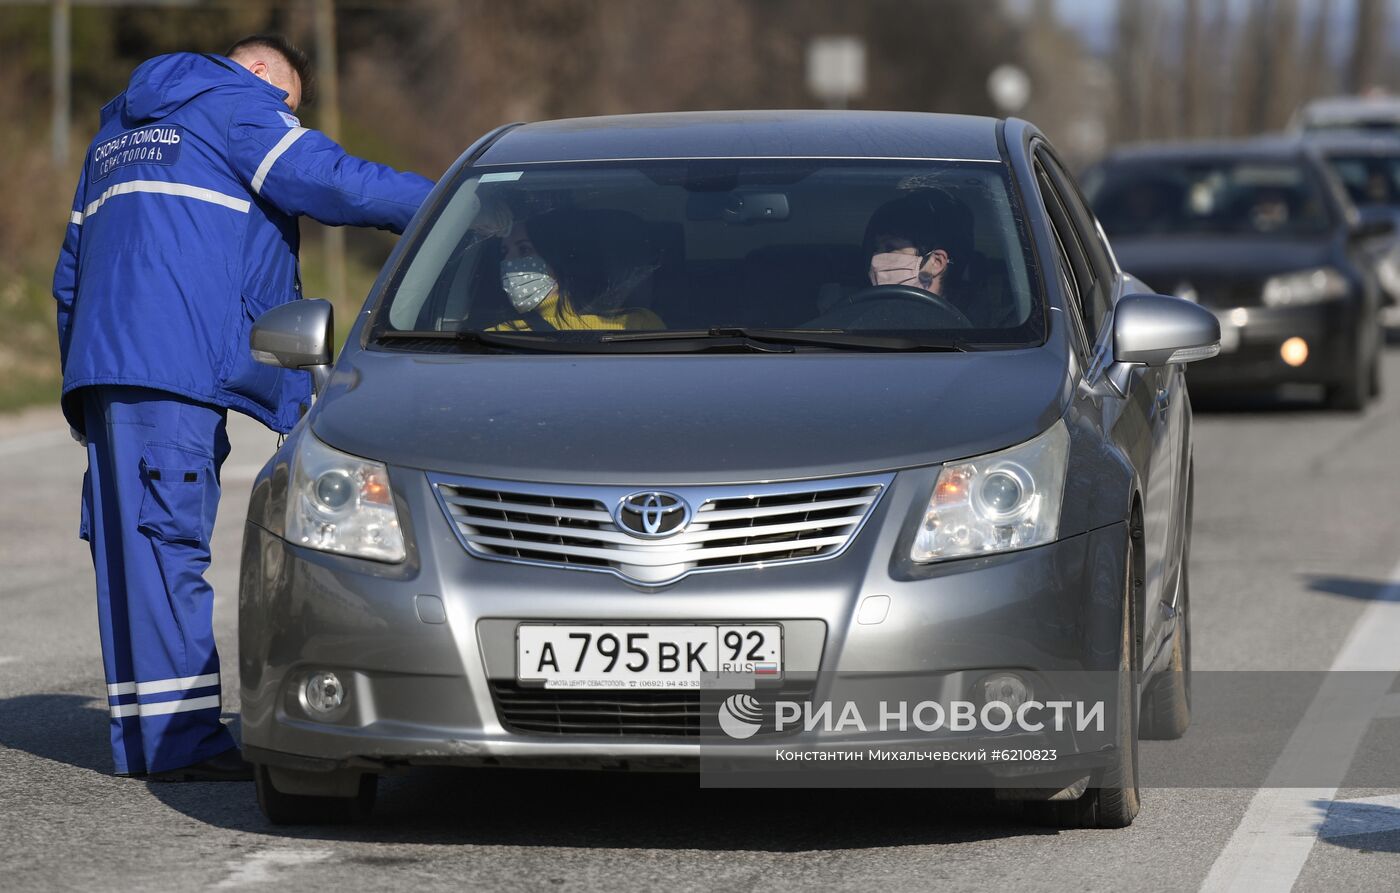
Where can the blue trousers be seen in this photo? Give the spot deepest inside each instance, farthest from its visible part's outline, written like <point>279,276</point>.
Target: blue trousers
<point>149,500</point>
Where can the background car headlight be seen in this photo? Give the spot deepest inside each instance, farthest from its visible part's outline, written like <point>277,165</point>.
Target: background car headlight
<point>1305,287</point>
<point>997,502</point>
<point>342,503</point>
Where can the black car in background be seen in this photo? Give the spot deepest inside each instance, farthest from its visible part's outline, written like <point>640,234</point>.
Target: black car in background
<point>1264,235</point>
<point>1368,165</point>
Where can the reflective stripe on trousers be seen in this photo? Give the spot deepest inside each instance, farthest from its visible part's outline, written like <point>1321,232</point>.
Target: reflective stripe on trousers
<point>149,502</point>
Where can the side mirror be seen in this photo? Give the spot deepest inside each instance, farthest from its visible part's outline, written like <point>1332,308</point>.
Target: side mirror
<point>297,335</point>
<point>1373,223</point>
<point>1155,330</point>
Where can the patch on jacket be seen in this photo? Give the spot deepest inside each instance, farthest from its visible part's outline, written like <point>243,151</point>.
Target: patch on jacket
<point>290,120</point>
<point>157,144</point>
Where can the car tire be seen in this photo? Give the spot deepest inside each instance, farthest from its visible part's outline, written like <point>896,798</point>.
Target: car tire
<point>300,809</point>
<point>1351,393</point>
<point>1166,705</point>
<point>1113,801</point>
<point>1377,378</point>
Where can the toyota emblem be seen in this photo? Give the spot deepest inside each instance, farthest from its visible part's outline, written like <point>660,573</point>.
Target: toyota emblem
<point>652,514</point>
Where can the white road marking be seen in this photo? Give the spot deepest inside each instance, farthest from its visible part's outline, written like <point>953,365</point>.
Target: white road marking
<point>1367,815</point>
<point>261,866</point>
<point>35,441</point>
<point>8,660</point>
<point>1270,846</point>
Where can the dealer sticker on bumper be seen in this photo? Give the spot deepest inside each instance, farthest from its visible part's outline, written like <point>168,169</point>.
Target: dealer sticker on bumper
<point>644,656</point>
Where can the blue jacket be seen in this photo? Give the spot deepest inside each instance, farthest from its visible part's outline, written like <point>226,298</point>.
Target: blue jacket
<point>184,230</point>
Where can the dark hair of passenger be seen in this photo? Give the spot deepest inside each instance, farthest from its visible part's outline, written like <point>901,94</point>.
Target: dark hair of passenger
<point>295,56</point>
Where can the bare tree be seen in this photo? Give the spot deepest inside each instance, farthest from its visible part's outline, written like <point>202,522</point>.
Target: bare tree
<point>1255,61</point>
<point>1320,80</point>
<point>1223,83</point>
<point>1281,93</point>
<point>1193,70</point>
<point>1367,45</point>
<point>1130,121</point>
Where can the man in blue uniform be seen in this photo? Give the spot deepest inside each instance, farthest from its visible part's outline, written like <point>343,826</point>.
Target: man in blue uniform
<point>183,231</point>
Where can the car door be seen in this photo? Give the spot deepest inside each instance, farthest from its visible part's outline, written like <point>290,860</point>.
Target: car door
<point>1149,426</point>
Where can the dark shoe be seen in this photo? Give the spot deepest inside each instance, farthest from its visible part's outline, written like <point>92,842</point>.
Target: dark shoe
<point>227,766</point>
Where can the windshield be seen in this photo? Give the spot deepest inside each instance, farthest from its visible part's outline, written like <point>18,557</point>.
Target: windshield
<point>815,253</point>
<point>1370,180</point>
<point>1218,196</point>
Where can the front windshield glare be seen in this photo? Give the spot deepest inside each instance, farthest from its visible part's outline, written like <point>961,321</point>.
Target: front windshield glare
<point>579,253</point>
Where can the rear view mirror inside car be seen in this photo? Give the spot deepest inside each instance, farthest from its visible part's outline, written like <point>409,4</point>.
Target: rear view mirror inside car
<point>737,206</point>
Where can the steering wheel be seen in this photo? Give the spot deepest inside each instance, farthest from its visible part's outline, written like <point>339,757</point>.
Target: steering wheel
<point>910,293</point>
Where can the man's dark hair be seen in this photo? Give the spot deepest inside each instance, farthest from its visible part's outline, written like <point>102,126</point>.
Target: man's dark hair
<point>295,56</point>
<point>928,218</point>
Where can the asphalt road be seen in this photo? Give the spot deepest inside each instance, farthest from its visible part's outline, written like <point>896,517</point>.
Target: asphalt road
<point>1296,558</point>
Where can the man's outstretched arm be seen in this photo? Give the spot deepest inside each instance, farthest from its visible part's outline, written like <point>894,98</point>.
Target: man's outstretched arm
<point>303,171</point>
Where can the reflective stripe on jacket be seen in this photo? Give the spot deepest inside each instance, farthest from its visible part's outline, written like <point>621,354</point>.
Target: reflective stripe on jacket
<point>184,230</point>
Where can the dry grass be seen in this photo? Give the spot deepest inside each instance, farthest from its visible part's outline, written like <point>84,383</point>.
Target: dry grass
<point>32,219</point>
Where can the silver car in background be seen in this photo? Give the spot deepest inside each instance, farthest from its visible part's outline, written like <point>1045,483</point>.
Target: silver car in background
<point>635,400</point>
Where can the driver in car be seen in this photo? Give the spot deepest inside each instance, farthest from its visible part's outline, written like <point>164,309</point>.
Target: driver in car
<point>908,241</point>
<point>924,241</point>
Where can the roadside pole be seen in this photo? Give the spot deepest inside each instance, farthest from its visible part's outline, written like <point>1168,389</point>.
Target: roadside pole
<point>60,47</point>
<point>329,119</point>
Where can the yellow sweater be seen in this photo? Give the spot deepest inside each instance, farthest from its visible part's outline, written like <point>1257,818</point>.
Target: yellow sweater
<point>560,313</point>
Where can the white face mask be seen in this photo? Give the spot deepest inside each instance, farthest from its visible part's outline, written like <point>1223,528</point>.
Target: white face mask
<point>895,268</point>
<point>526,281</point>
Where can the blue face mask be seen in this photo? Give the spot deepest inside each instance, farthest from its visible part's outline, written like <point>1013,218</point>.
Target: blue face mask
<point>526,281</point>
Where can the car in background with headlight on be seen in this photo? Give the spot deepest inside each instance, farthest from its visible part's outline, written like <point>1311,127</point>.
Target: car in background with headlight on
<point>1368,165</point>
<point>1262,233</point>
<point>628,407</point>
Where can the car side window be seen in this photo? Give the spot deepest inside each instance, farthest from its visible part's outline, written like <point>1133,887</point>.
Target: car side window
<point>1073,265</point>
<point>1096,289</point>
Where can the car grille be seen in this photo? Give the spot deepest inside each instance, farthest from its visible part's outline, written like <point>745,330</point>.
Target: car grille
<point>623,712</point>
<point>730,526</point>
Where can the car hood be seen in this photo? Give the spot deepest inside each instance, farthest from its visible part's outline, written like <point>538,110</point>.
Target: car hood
<point>678,419</point>
<point>1163,263</point>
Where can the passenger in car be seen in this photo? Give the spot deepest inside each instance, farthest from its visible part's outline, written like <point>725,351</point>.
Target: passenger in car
<point>545,295</point>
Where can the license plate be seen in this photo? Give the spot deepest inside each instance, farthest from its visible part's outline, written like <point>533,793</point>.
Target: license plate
<point>644,656</point>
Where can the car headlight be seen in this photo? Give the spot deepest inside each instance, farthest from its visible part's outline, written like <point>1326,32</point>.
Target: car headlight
<point>341,503</point>
<point>997,502</point>
<point>1305,287</point>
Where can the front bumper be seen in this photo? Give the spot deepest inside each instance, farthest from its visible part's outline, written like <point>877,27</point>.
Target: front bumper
<point>1252,339</point>
<point>420,681</point>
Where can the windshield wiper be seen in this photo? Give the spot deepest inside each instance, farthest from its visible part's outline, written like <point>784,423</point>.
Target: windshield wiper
<point>482,339</point>
<point>836,338</point>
